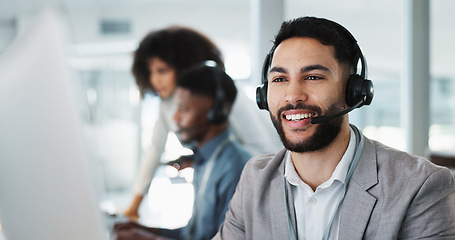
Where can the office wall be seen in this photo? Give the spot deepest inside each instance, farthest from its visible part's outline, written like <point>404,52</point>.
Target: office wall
<point>120,123</point>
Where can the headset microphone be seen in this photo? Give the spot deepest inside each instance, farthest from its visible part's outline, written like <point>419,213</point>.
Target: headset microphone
<point>321,119</point>
<point>192,128</point>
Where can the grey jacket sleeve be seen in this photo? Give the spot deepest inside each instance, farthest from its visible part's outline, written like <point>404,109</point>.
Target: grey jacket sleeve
<point>431,214</point>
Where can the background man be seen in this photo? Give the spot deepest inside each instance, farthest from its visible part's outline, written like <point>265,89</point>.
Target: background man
<point>330,181</point>
<point>204,98</point>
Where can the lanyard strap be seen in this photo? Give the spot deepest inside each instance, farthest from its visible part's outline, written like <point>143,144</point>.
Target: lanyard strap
<point>358,151</point>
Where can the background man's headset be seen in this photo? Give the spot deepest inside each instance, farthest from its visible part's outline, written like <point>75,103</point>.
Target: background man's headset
<point>359,90</point>
<point>218,113</point>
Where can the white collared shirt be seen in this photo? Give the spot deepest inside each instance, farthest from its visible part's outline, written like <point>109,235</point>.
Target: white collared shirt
<point>314,210</point>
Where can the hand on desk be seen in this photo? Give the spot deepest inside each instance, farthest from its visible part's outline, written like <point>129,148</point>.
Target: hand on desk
<point>182,162</point>
<point>135,231</point>
<point>132,212</point>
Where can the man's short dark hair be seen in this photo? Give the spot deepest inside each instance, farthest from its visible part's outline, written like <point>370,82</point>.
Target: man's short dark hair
<point>180,47</point>
<point>325,31</point>
<point>201,80</point>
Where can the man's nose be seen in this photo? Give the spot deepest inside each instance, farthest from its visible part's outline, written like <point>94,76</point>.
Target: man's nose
<point>296,92</point>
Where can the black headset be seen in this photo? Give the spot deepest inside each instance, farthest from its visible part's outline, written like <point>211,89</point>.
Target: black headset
<point>359,90</point>
<point>218,113</point>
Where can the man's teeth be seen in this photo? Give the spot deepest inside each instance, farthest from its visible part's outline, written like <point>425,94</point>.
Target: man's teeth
<point>298,117</point>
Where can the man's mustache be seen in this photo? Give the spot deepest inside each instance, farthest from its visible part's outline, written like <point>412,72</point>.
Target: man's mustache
<point>302,106</point>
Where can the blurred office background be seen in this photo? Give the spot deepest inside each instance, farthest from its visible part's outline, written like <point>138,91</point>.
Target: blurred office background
<point>413,108</point>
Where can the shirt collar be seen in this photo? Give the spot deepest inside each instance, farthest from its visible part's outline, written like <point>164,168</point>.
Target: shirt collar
<point>343,166</point>
<point>339,173</point>
<point>202,153</point>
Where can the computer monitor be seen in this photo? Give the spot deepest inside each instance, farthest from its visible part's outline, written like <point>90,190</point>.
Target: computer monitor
<point>46,185</point>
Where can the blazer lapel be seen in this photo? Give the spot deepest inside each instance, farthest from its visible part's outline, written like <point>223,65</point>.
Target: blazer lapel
<point>278,216</point>
<point>358,204</point>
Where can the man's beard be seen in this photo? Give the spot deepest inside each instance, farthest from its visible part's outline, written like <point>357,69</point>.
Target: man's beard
<point>325,132</point>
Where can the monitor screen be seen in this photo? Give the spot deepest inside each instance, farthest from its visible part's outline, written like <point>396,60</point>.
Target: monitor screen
<point>46,185</point>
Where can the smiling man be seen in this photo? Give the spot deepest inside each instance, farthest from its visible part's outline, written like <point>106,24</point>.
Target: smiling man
<point>330,181</point>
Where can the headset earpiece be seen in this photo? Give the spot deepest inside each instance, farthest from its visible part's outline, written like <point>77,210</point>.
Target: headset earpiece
<point>358,89</point>
<point>368,91</point>
<point>261,91</point>
<point>218,113</point>
<point>261,96</point>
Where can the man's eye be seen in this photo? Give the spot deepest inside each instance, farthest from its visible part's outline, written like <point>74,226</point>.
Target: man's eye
<point>313,78</point>
<point>278,79</point>
<point>163,70</point>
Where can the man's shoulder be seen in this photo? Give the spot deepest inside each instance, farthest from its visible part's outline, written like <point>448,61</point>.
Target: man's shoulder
<point>261,161</point>
<point>395,160</point>
<point>258,174</point>
<point>266,162</point>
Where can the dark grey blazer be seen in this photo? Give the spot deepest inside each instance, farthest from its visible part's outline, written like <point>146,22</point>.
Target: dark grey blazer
<point>392,195</point>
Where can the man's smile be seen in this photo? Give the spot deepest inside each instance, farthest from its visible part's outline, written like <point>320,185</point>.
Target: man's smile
<point>298,116</point>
